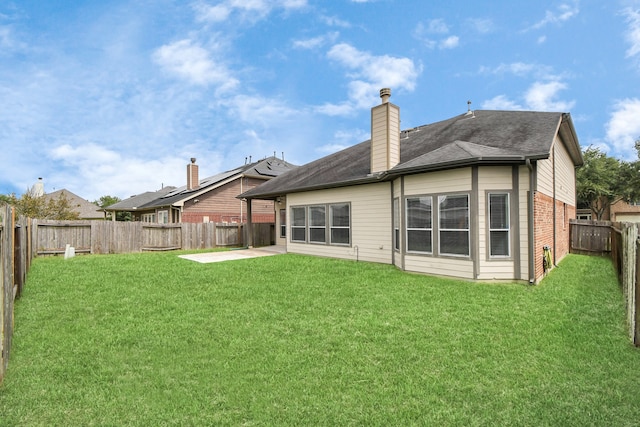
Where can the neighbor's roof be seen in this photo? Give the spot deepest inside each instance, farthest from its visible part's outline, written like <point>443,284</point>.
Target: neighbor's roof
<point>263,169</point>
<point>84,208</point>
<point>134,202</point>
<point>482,137</point>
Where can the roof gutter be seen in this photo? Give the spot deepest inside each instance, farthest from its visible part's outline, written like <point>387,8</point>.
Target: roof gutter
<point>372,178</point>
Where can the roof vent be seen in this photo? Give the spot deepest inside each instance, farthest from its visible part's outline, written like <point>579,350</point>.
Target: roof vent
<point>385,94</point>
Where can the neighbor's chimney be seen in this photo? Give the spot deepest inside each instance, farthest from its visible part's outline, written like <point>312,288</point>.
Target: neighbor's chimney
<point>385,134</point>
<point>192,175</point>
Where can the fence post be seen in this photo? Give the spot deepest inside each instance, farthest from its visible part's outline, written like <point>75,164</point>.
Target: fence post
<point>637,293</point>
<point>629,239</point>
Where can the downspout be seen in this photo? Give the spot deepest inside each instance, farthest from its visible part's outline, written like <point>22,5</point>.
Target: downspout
<point>393,222</point>
<point>555,225</point>
<point>241,191</point>
<point>532,263</point>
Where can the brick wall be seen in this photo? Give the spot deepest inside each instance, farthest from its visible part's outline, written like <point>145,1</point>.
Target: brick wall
<point>543,229</point>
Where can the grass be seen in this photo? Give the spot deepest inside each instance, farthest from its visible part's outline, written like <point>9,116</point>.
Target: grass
<point>151,339</point>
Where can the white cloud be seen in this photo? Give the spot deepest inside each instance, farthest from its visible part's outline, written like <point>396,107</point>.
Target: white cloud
<point>450,42</point>
<point>438,27</point>
<point>194,63</point>
<point>633,34</point>
<point>259,110</point>
<point>540,96</point>
<point>92,171</point>
<point>623,128</point>
<point>316,42</point>
<point>251,10</point>
<point>501,102</point>
<point>369,73</point>
<point>563,12</point>
<point>333,21</point>
<point>481,25</point>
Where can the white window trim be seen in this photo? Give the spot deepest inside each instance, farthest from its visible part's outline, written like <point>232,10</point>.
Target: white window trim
<point>508,229</point>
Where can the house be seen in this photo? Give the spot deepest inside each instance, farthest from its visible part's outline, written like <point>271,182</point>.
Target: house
<point>84,208</point>
<point>478,196</point>
<point>623,211</point>
<point>211,199</point>
<point>618,210</point>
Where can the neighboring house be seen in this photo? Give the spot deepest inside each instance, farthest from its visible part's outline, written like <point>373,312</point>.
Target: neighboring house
<point>477,196</point>
<point>212,199</point>
<point>622,211</point>
<point>134,202</point>
<point>618,210</point>
<point>84,208</point>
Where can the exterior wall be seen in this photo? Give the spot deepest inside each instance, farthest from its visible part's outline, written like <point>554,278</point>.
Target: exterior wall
<point>543,228</point>
<point>565,175</point>
<point>279,206</point>
<point>371,235</point>
<point>622,211</point>
<point>523,202</point>
<point>397,195</point>
<point>555,195</point>
<point>451,181</point>
<point>221,204</point>
<point>496,179</point>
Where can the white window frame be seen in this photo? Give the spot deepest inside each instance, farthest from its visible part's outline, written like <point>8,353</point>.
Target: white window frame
<point>163,217</point>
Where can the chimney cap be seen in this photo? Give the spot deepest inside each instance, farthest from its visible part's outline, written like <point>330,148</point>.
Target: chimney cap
<point>385,94</point>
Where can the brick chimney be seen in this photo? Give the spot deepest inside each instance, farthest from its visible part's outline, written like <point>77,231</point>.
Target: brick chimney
<point>192,175</point>
<point>385,134</point>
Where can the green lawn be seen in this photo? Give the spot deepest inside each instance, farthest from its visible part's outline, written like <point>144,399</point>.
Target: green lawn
<point>152,339</point>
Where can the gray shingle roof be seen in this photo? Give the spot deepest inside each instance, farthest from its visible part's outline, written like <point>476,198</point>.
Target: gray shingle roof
<point>484,137</point>
<point>134,202</point>
<point>266,169</point>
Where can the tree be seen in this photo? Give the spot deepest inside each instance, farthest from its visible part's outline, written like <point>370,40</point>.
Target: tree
<point>629,181</point>
<point>106,201</point>
<point>598,180</point>
<point>34,205</point>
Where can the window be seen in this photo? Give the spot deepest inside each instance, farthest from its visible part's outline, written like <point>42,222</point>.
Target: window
<point>151,218</point>
<point>419,225</point>
<point>499,225</point>
<point>453,214</point>
<point>396,224</point>
<point>298,224</point>
<point>163,217</point>
<point>340,224</point>
<point>317,224</point>
<point>315,230</point>
<point>283,223</point>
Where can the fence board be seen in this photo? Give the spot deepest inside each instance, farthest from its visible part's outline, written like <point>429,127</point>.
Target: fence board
<point>106,237</point>
<point>636,340</point>
<point>15,260</point>
<point>590,237</point>
<point>6,280</point>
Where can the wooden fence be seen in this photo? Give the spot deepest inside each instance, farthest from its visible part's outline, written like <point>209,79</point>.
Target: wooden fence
<point>625,254</point>
<point>590,237</point>
<point>108,237</point>
<point>15,260</point>
<point>620,240</point>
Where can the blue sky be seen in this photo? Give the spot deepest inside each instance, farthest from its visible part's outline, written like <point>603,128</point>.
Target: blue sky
<point>114,97</point>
